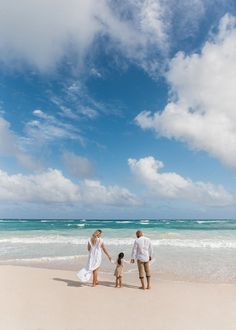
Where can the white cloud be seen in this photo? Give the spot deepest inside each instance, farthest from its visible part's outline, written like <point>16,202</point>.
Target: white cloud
<point>77,96</point>
<point>171,185</point>
<point>77,166</point>
<point>42,33</point>
<point>39,113</point>
<point>67,113</point>
<point>184,17</point>
<point>8,140</point>
<point>10,145</point>
<point>38,32</point>
<point>94,72</point>
<point>76,103</point>
<point>49,128</point>
<point>52,187</point>
<point>202,107</point>
<point>152,20</point>
<point>88,112</point>
<point>46,187</point>
<point>94,191</point>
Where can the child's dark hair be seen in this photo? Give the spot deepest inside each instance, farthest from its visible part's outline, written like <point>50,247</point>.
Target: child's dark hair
<point>120,256</point>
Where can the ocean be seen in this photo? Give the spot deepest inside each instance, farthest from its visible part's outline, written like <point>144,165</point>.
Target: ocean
<point>194,250</point>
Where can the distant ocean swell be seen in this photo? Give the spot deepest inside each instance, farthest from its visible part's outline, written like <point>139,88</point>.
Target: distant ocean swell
<point>47,224</point>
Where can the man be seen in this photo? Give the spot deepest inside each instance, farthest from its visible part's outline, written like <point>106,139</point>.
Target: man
<point>142,252</point>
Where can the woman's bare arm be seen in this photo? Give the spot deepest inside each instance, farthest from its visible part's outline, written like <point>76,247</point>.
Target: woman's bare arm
<point>105,251</point>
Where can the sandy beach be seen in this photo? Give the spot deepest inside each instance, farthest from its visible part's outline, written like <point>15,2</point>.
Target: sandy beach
<point>48,299</point>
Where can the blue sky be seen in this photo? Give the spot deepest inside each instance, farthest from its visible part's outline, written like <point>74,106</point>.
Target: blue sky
<point>117,109</point>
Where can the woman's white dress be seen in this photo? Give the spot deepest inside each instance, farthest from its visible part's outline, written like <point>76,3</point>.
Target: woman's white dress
<point>94,261</point>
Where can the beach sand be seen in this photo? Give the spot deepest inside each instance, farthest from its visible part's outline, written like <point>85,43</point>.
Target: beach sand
<point>48,299</point>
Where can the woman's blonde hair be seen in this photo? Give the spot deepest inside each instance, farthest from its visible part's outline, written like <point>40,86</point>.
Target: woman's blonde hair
<point>95,235</point>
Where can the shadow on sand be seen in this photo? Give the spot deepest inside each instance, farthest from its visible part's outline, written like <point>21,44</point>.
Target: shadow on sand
<point>101,283</point>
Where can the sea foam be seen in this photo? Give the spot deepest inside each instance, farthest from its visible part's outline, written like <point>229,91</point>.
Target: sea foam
<point>171,242</point>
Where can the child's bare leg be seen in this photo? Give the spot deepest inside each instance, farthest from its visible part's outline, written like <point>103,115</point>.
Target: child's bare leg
<point>148,282</point>
<point>120,281</point>
<point>117,280</point>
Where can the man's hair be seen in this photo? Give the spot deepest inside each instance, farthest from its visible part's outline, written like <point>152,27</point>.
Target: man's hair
<point>139,233</point>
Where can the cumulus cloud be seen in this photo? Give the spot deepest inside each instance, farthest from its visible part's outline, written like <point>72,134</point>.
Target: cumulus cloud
<point>202,107</point>
<point>77,166</point>
<point>52,187</point>
<point>46,187</point>
<point>41,32</point>
<point>171,185</point>
<point>10,145</point>
<point>38,32</point>
<point>94,191</point>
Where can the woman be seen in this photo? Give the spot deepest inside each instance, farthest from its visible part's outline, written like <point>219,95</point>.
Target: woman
<point>95,247</point>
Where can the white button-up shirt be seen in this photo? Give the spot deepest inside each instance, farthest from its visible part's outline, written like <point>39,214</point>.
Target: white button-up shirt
<point>142,249</point>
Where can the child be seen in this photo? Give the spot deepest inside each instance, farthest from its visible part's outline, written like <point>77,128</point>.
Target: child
<point>119,270</point>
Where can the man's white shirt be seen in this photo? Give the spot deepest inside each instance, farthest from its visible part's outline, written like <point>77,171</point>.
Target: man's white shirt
<point>142,249</point>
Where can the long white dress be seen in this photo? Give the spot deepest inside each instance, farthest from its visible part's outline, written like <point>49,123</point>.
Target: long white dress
<point>94,261</point>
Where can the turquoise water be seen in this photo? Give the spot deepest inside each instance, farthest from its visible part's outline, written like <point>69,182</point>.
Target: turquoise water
<point>51,224</point>
<point>184,249</point>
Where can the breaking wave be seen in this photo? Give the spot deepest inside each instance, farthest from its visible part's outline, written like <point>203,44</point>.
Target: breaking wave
<point>171,242</point>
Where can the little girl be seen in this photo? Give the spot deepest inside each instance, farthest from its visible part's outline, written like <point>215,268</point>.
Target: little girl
<point>119,270</point>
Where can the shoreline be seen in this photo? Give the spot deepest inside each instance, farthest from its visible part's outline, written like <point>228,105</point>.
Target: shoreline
<point>48,299</point>
<point>130,273</point>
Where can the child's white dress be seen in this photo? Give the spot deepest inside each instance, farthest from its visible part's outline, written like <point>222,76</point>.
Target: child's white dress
<point>119,269</point>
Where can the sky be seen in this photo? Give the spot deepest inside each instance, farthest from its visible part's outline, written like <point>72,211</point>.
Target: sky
<point>118,109</point>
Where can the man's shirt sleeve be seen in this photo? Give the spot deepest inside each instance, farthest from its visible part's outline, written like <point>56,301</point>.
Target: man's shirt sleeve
<point>134,250</point>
